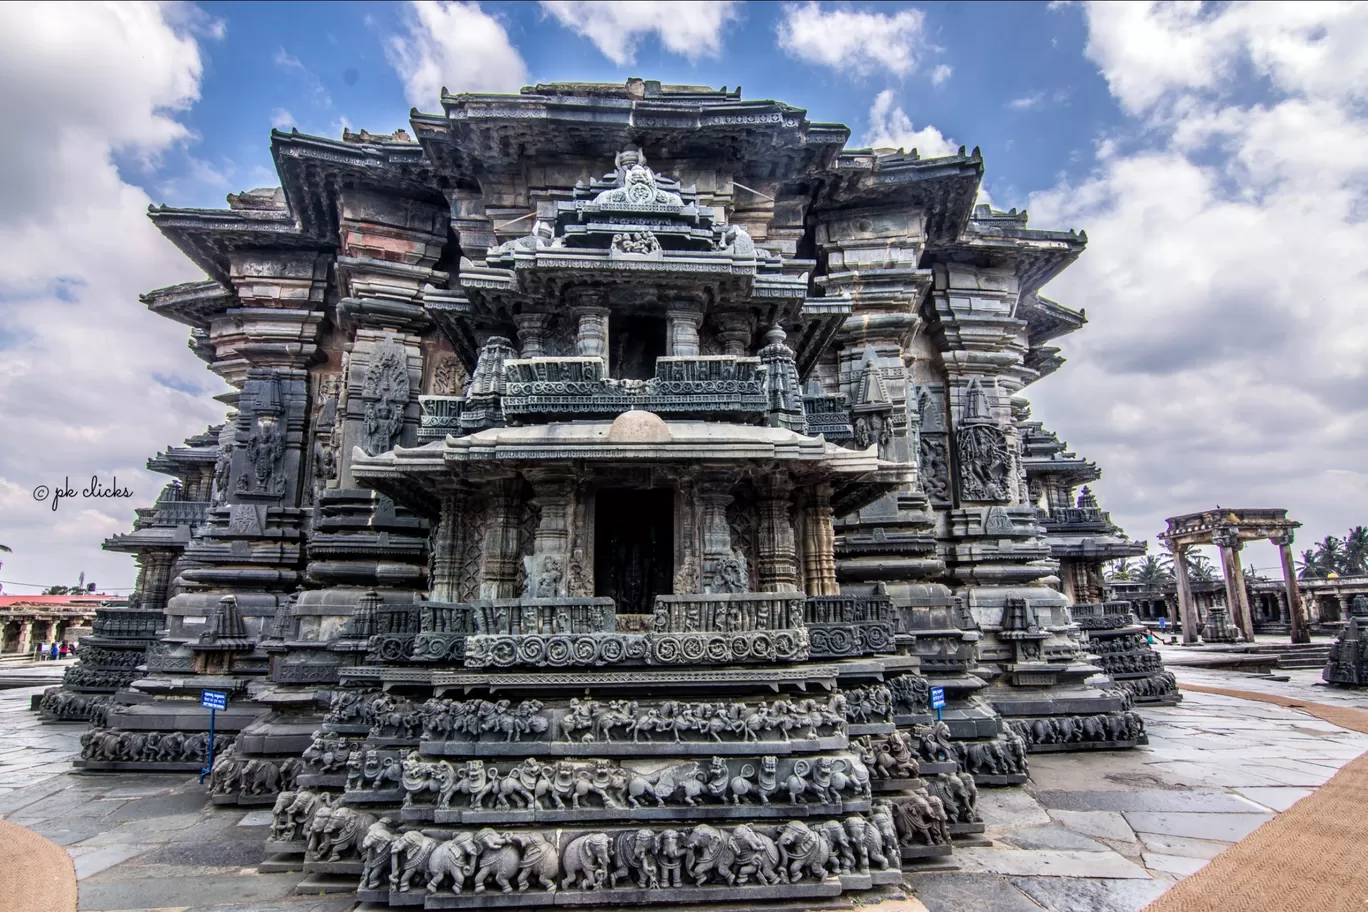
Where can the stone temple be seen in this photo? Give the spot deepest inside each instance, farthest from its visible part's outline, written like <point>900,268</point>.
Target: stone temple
<point>612,474</point>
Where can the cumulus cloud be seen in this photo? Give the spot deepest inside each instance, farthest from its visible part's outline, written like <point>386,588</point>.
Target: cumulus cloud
<point>78,353</point>
<point>891,128</point>
<point>941,73</point>
<point>453,44</point>
<point>1227,356</point>
<point>615,27</point>
<point>859,42</point>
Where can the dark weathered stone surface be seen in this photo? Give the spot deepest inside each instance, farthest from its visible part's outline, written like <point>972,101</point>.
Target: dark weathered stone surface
<point>1051,837</point>
<point>1148,800</point>
<point>954,892</point>
<point>1076,894</point>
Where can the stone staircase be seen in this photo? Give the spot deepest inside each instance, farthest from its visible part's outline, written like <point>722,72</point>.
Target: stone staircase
<point>1294,655</point>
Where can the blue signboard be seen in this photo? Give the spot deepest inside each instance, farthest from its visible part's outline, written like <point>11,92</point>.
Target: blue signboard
<point>213,699</point>
<point>937,697</point>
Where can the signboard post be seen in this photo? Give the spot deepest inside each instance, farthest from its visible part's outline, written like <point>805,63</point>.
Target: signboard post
<point>212,700</point>
<point>938,700</point>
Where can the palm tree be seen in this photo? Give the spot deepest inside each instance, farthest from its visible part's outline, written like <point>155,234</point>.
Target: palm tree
<point>1151,573</point>
<point>1309,565</point>
<point>1356,550</point>
<point>1120,570</point>
<point>1330,554</point>
<point>1200,568</point>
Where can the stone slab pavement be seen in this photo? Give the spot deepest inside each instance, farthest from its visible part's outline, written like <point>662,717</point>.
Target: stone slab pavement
<point>1092,832</point>
<point>1111,831</point>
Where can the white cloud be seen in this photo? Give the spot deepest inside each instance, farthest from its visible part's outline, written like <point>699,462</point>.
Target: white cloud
<point>282,119</point>
<point>456,45</point>
<point>77,350</point>
<point>890,128</point>
<point>861,42</point>
<point>941,73</point>
<point>1227,356</point>
<point>1027,102</point>
<point>287,61</point>
<point>616,27</point>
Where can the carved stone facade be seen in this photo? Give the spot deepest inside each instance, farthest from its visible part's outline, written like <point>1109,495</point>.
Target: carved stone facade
<point>573,488</point>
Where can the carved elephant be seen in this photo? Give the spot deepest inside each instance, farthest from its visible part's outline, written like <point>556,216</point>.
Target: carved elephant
<point>540,861</point>
<point>707,852</point>
<point>498,858</point>
<point>803,850</point>
<point>452,860</point>
<point>670,856</point>
<point>867,844</point>
<point>756,856</point>
<point>634,853</point>
<point>375,852</point>
<point>260,777</point>
<point>409,853</point>
<point>585,861</point>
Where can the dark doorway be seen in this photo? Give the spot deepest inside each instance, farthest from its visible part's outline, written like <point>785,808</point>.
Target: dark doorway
<point>636,342</point>
<point>633,547</point>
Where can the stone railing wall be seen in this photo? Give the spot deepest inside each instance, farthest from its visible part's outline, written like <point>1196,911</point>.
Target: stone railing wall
<point>849,625</point>
<point>440,416</point>
<point>708,385</point>
<point>829,416</point>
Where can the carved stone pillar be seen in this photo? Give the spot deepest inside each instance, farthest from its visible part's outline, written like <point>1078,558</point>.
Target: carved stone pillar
<point>1297,619</point>
<point>546,571</point>
<point>1186,608</point>
<point>776,555</point>
<point>592,339</point>
<point>1227,538</point>
<point>684,317</point>
<point>819,544</point>
<point>688,562</point>
<point>734,330</point>
<point>499,567</point>
<point>714,495</point>
<point>448,543</point>
<point>156,579</point>
<point>532,334</point>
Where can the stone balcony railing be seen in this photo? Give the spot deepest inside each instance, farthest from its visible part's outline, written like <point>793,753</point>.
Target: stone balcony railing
<point>829,416</point>
<point>849,625</point>
<point>440,416</point>
<point>1076,518</point>
<point>711,386</point>
<point>577,632</point>
<point>1103,616</point>
<point>172,513</point>
<point>126,623</point>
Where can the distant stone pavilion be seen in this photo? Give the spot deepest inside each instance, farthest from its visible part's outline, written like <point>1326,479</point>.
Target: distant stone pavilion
<point>611,474</point>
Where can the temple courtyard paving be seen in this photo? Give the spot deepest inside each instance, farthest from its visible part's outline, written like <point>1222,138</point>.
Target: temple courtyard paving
<point>1092,832</point>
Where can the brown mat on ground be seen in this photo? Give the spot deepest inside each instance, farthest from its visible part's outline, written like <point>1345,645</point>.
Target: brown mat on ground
<point>1308,857</point>
<point>36,875</point>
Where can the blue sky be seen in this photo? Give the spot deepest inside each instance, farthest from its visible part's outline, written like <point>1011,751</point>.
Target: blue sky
<point>1216,154</point>
<point>1019,85</point>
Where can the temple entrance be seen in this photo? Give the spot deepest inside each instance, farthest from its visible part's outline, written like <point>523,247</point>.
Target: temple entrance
<point>633,547</point>
<point>636,342</point>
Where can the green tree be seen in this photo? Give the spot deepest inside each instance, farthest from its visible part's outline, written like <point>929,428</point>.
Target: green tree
<point>1356,550</point>
<point>1200,568</point>
<point>1309,566</point>
<point>1151,573</point>
<point>1120,570</point>
<point>1330,554</point>
<point>60,590</point>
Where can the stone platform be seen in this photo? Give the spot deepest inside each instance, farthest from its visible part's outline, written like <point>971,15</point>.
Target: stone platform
<point>1111,830</point>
